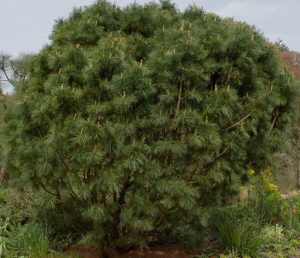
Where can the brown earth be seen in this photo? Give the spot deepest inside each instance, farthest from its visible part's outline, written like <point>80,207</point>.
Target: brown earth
<point>159,251</point>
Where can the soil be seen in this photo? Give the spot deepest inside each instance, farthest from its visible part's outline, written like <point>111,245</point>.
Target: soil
<point>159,251</point>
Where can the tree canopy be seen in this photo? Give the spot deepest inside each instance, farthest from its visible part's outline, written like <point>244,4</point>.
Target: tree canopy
<point>140,117</point>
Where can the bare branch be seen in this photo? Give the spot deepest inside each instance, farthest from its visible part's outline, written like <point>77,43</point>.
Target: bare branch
<point>7,77</point>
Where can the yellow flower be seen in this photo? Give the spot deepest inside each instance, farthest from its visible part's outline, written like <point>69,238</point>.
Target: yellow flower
<point>272,187</point>
<point>269,172</point>
<point>250,172</point>
<point>295,242</point>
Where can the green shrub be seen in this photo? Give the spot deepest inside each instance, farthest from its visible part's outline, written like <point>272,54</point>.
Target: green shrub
<point>29,240</point>
<point>266,201</point>
<point>237,230</point>
<point>144,115</point>
<point>269,207</point>
<point>292,225</point>
<point>275,240</point>
<point>15,205</point>
<point>232,254</point>
<point>189,236</point>
<point>67,224</point>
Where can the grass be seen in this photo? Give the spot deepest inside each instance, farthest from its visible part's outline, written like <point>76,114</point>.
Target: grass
<point>237,230</point>
<point>29,240</point>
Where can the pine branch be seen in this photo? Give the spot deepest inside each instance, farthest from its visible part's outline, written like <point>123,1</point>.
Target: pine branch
<point>47,190</point>
<point>68,186</point>
<point>218,156</point>
<point>273,122</point>
<point>239,122</point>
<point>73,194</point>
<point>7,77</point>
<point>2,68</point>
<point>221,154</point>
<point>121,201</point>
<point>179,99</point>
<point>21,76</point>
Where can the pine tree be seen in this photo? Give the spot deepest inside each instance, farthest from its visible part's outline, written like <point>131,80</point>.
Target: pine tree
<point>143,116</point>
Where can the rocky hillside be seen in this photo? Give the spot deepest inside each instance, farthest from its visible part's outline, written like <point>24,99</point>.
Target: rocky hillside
<point>292,59</point>
<point>288,163</point>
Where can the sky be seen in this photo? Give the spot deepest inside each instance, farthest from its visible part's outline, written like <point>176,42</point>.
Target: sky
<point>26,25</point>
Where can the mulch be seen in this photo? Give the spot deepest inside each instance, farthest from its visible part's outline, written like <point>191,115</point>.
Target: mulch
<point>159,251</point>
